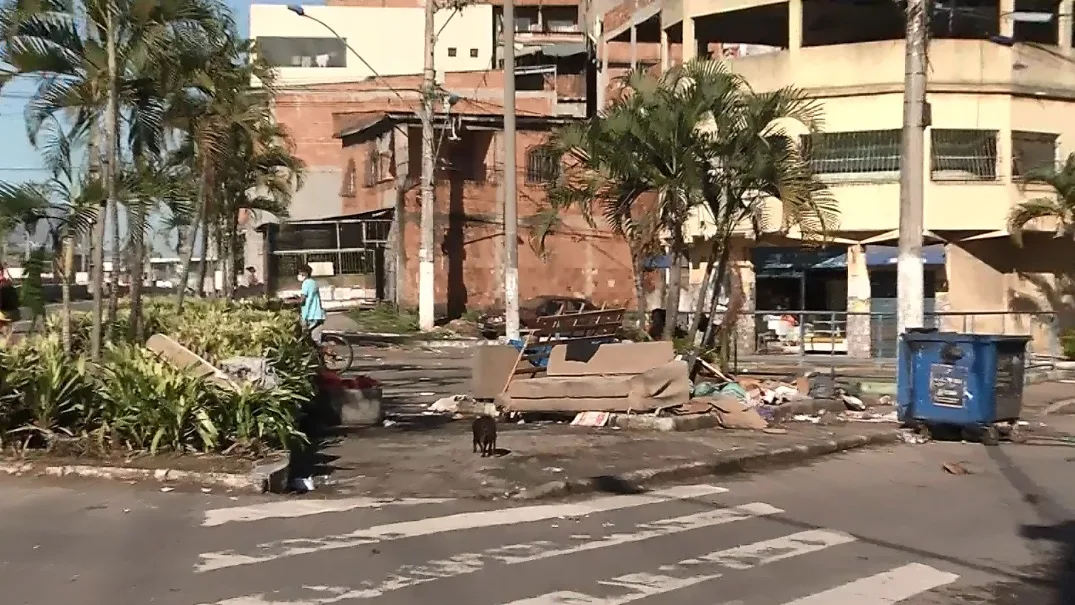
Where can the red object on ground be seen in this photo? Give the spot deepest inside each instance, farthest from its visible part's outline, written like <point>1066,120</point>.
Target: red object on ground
<point>331,379</point>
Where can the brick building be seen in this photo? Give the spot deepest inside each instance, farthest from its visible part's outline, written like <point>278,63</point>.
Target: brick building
<point>362,147</point>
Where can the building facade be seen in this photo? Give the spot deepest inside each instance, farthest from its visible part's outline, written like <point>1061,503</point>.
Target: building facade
<point>1000,95</point>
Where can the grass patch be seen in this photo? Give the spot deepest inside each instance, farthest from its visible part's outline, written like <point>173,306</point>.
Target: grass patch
<point>386,319</point>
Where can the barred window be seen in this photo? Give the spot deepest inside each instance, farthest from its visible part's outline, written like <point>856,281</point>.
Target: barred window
<point>541,167</point>
<point>849,153</point>
<point>963,155</point>
<point>1032,150</point>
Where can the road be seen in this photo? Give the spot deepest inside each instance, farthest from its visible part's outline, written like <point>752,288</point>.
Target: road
<point>872,528</point>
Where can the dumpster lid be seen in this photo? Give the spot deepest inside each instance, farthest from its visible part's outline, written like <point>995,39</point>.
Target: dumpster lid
<point>933,335</point>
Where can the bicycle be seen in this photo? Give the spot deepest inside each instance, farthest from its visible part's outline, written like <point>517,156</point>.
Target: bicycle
<point>334,352</point>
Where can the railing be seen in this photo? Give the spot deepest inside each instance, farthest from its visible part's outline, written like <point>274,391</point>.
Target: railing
<point>873,335</point>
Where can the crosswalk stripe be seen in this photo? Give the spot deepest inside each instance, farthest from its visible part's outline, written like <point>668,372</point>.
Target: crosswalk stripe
<point>642,585</point>
<point>301,508</point>
<point>462,564</point>
<point>885,588</point>
<point>436,525</point>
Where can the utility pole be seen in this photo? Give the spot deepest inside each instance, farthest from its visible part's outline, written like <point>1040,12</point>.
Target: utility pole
<point>425,253</point>
<point>909,285</point>
<point>511,217</point>
<point>110,183</point>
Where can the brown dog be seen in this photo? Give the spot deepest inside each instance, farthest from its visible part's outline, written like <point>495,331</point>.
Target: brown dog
<point>485,435</point>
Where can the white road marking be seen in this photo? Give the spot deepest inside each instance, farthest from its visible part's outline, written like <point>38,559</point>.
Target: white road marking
<point>462,564</point>
<point>884,588</point>
<point>643,585</point>
<point>436,525</point>
<point>300,508</point>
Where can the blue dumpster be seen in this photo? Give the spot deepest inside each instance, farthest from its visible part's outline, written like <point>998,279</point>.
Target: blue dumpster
<point>969,382</point>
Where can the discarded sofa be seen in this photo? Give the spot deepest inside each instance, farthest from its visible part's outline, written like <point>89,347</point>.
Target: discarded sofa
<point>611,377</point>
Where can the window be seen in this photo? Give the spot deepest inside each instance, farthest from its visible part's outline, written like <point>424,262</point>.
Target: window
<point>473,53</point>
<point>561,18</point>
<point>541,167</point>
<point>451,51</point>
<point>1032,150</point>
<point>874,152</point>
<point>373,167</point>
<point>526,19</point>
<point>302,52</point>
<point>961,155</point>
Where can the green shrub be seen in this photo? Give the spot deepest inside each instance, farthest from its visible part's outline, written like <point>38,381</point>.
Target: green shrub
<point>1067,341</point>
<point>386,318</point>
<point>136,401</point>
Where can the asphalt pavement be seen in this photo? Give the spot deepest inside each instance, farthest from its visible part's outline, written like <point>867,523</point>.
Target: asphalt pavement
<point>871,528</point>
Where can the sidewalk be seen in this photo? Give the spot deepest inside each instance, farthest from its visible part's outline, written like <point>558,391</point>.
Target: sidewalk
<point>548,460</point>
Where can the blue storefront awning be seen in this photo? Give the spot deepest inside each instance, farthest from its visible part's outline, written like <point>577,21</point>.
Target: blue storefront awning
<point>884,256</point>
<point>793,261</point>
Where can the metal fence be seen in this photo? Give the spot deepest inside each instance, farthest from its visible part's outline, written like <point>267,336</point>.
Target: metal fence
<point>341,252</point>
<point>874,335</point>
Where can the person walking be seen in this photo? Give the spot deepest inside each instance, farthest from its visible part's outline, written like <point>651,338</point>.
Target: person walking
<point>313,314</point>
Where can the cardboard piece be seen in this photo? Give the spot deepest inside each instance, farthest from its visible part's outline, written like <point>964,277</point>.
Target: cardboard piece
<point>185,359</point>
<point>735,414</point>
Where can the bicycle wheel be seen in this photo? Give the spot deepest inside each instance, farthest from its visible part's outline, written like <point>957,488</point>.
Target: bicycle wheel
<point>336,352</point>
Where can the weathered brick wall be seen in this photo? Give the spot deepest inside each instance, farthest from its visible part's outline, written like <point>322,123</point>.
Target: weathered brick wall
<point>469,239</point>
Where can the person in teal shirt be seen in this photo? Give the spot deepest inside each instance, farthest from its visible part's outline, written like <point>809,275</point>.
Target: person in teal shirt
<point>313,314</point>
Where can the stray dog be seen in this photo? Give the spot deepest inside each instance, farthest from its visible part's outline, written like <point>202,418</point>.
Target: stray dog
<point>485,435</point>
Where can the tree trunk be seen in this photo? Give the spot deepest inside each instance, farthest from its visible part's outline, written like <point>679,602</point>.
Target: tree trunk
<point>675,278</point>
<point>137,229</point>
<point>233,255</point>
<point>65,289</point>
<point>640,290</point>
<point>203,250</point>
<point>399,248</point>
<point>707,304</point>
<point>184,269</point>
<point>117,261</point>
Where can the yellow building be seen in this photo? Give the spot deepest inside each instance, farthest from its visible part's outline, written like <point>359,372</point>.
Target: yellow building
<point>1002,100</point>
<point>388,38</point>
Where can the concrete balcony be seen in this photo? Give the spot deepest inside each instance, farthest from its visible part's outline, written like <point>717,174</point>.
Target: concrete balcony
<point>877,67</point>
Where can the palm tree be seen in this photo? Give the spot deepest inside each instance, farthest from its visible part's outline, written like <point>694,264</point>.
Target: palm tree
<point>227,121</point>
<point>694,137</point>
<point>1058,207</point>
<point>62,44</point>
<point>67,202</point>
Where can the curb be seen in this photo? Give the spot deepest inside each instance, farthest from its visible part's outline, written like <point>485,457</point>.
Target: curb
<point>693,470</point>
<point>1058,407</point>
<point>258,481</point>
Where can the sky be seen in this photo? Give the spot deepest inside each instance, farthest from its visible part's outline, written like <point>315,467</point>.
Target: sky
<point>20,162</point>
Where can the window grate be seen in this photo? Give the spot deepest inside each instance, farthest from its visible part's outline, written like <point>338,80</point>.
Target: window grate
<point>963,155</point>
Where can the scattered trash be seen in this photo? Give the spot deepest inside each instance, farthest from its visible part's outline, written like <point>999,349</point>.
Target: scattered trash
<point>553,469</point>
<point>853,403</point>
<point>167,489</point>
<point>773,431</point>
<point>854,416</point>
<point>595,419</point>
<point>955,468</point>
<point>449,404</point>
<point>302,484</point>
<point>806,418</point>
<point>257,371</point>
<point>913,437</point>
<point>389,422</point>
<point>207,490</point>
<point>702,389</point>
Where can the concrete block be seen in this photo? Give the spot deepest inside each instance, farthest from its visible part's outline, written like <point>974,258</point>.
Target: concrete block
<point>358,407</point>
<point>645,422</point>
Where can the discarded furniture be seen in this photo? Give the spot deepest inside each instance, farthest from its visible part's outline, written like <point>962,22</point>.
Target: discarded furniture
<point>185,359</point>
<point>495,366</point>
<point>610,377</point>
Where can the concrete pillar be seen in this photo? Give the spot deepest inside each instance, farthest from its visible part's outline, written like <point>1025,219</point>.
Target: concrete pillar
<point>634,45</point>
<point>1005,9</point>
<point>858,303</point>
<point>665,58</point>
<point>1063,23</point>
<point>690,42</point>
<point>795,25</point>
<point>743,283</point>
